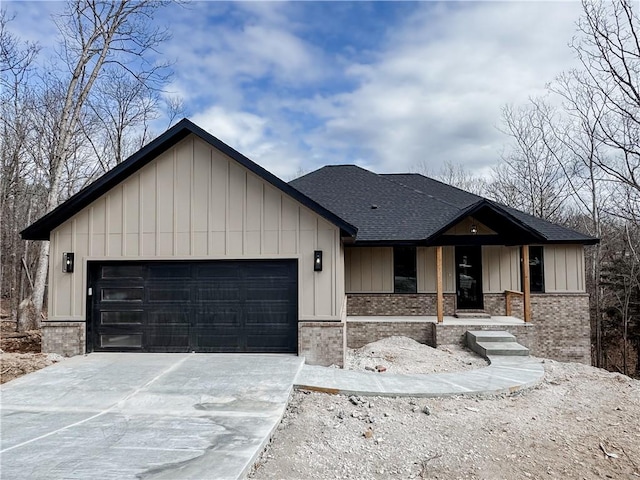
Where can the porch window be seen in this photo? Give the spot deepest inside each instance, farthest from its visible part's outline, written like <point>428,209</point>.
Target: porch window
<point>404,270</point>
<point>536,269</point>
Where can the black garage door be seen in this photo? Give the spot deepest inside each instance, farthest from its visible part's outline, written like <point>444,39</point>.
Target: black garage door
<point>213,306</point>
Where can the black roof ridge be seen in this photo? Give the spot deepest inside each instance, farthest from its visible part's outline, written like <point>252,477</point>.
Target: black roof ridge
<point>41,228</point>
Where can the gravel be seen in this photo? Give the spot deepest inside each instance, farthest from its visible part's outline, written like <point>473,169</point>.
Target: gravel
<point>580,422</point>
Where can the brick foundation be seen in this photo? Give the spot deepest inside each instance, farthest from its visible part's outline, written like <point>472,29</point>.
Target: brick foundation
<point>562,326</point>
<point>559,327</point>
<point>64,338</point>
<point>359,333</point>
<point>322,343</point>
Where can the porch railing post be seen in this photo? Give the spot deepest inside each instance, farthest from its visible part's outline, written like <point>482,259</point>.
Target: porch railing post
<point>439,292</point>
<point>526,286</point>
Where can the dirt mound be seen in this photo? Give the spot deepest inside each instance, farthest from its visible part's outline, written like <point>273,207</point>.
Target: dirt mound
<point>404,355</point>
<point>14,365</point>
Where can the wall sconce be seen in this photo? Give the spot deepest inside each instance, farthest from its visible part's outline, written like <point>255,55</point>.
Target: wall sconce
<point>474,229</point>
<point>67,262</point>
<point>317,261</point>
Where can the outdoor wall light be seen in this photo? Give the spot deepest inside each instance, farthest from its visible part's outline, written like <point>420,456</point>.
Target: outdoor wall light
<point>474,229</point>
<point>67,262</point>
<point>317,261</point>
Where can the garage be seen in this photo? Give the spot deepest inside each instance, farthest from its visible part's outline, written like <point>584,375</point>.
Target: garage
<point>193,306</point>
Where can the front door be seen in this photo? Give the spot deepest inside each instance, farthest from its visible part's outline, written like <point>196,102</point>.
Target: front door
<point>469,278</point>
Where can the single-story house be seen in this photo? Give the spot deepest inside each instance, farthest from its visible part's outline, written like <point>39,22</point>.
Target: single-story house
<point>190,246</point>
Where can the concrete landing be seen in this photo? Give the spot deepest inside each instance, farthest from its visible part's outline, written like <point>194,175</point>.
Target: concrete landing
<point>146,416</point>
<point>494,343</point>
<point>503,375</point>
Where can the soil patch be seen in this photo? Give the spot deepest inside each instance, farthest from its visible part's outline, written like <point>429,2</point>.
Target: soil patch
<point>14,365</point>
<point>580,422</point>
<point>22,342</point>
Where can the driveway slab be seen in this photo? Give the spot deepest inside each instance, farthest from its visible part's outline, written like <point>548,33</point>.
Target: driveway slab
<point>147,416</point>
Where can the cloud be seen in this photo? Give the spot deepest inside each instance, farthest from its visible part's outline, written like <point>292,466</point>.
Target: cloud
<point>252,136</point>
<point>435,91</point>
<point>386,85</point>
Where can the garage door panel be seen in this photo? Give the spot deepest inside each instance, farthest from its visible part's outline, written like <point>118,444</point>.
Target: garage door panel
<point>123,271</point>
<point>167,270</point>
<point>226,271</point>
<point>218,291</point>
<point>168,317</point>
<point>122,294</point>
<point>168,336</point>
<point>204,306</point>
<point>168,294</point>
<point>121,317</point>
<point>219,343</point>
<point>120,340</point>
<point>267,343</point>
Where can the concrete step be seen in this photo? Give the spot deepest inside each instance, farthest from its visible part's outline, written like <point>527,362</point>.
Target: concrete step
<point>471,314</point>
<point>489,336</point>
<point>501,348</point>
<point>492,342</point>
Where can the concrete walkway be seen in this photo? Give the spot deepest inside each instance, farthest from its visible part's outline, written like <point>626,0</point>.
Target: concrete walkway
<point>505,374</point>
<point>146,416</point>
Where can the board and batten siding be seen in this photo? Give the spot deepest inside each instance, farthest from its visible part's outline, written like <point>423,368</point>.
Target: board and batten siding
<point>195,203</point>
<point>564,268</point>
<point>500,268</point>
<point>426,258</point>
<point>370,269</point>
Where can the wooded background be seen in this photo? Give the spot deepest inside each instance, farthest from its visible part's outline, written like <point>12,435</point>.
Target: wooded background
<point>571,156</point>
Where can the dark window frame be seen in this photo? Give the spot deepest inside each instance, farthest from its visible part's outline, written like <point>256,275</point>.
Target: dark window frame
<point>405,274</point>
<point>536,269</point>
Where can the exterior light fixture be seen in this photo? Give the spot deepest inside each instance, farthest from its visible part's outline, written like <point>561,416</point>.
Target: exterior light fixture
<point>67,262</point>
<point>317,261</point>
<point>474,229</point>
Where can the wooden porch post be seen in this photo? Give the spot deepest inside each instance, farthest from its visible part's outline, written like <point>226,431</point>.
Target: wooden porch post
<point>526,286</point>
<point>439,292</point>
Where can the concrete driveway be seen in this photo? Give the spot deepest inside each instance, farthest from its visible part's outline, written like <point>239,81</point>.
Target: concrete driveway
<point>126,415</point>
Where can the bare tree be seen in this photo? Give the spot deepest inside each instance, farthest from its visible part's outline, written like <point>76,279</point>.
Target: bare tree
<point>17,107</point>
<point>531,176</point>
<point>453,174</point>
<point>608,46</point>
<point>97,38</point>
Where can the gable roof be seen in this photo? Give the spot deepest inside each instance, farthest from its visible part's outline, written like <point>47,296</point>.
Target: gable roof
<point>41,229</point>
<point>412,208</point>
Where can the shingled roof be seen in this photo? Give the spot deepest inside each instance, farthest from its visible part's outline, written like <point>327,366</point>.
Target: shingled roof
<point>412,208</point>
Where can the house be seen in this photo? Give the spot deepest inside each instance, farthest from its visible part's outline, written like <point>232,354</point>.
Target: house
<point>190,246</point>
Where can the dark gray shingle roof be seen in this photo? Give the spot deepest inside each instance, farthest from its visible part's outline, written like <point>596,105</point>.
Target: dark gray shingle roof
<point>409,207</point>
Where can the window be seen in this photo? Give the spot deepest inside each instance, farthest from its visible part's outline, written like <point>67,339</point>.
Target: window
<point>404,270</point>
<point>536,269</point>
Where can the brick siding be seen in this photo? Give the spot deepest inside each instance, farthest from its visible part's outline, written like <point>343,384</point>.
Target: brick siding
<point>359,333</point>
<point>380,304</point>
<point>562,326</point>
<point>322,343</point>
<point>64,338</point>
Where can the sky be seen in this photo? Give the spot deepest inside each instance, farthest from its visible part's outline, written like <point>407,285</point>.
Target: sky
<point>389,86</point>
